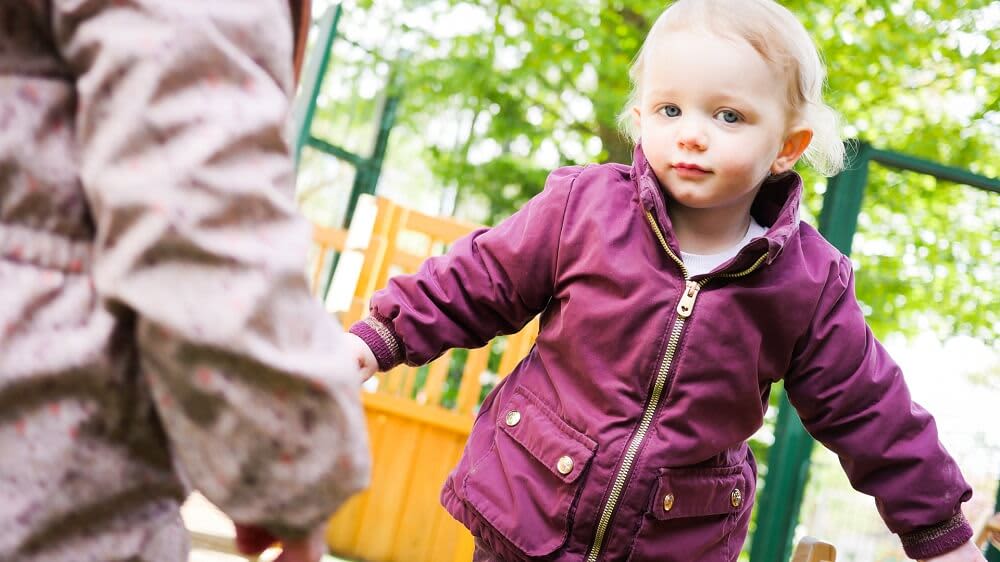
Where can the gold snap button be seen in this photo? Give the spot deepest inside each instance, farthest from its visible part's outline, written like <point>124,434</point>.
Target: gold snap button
<point>736,498</point>
<point>565,465</point>
<point>668,502</point>
<point>513,418</point>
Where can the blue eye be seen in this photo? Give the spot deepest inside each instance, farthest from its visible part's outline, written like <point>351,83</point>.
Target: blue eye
<point>729,116</point>
<point>671,110</point>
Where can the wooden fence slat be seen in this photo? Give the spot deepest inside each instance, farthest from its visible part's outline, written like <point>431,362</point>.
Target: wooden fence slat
<point>448,533</point>
<point>442,229</point>
<point>324,239</point>
<point>343,534</point>
<point>437,453</point>
<point>381,516</point>
<point>409,382</point>
<point>468,390</point>
<point>437,374</point>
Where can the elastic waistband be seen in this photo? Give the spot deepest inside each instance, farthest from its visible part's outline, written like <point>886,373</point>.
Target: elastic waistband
<point>44,249</point>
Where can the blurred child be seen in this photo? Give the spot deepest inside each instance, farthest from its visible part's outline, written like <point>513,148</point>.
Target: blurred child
<point>156,330</point>
<point>673,293</point>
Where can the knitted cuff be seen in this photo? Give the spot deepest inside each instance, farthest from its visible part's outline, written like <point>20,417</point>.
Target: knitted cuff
<point>383,341</point>
<point>938,539</point>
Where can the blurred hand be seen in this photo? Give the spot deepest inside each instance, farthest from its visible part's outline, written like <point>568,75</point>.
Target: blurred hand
<point>367,363</point>
<point>965,553</point>
<point>252,540</point>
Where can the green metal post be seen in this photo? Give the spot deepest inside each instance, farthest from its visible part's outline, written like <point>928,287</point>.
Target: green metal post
<point>366,179</point>
<point>788,458</point>
<point>992,554</point>
<point>787,470</point>
<point>838,220</point>
<point>367,170</point>
<point>312,79</point>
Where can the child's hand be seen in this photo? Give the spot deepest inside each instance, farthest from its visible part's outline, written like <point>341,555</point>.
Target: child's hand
<point>363,355</point>
<point>965,553</point>
<point>252,540</point>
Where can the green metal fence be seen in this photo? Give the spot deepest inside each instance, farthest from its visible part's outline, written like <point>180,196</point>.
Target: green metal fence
<point>992,553</point>
<point>368,167</point>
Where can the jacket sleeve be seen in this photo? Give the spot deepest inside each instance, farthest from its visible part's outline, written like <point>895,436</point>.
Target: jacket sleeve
<point>491,282</point>
<point>851,396</point>
<point>181,105</point>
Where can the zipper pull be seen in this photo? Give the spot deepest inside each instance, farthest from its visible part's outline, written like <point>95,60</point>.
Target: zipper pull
<point>686,305</point>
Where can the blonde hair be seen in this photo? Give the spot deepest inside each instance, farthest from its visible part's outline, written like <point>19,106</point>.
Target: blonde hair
<point>781,39</point>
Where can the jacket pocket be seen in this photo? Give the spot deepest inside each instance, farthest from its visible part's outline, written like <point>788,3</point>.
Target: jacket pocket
<point>526,483</point>
<point>699,492</point>
<point>694,513</point>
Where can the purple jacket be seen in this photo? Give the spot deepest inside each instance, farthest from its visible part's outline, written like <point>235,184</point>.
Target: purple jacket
<point>622,435</point>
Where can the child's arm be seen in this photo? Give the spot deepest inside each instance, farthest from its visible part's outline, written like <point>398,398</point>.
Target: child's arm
<point>491,282</point>
<point>852,397</point>
<point>201,252</point>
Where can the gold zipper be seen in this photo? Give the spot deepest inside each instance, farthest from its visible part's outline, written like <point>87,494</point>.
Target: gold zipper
<point>684,309</point>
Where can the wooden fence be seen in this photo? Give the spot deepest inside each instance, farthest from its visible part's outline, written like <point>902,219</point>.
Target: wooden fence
<point>418,418</point>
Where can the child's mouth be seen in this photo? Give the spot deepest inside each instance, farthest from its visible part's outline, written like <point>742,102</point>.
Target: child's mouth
<point>685,169</point>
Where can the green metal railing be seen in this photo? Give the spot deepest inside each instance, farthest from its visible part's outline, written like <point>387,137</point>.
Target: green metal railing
<point>312,78</point>
<point>367,168</point>
<point>992,553</point>
<point>788,458</point>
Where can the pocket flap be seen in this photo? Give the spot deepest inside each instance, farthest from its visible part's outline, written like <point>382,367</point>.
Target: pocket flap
<point>697,492</point>
<point>562,449</point>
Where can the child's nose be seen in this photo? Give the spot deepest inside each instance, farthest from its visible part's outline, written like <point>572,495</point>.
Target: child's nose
<point>691,135</point>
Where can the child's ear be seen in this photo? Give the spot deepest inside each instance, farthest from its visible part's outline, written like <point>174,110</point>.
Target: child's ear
<point>636,117</point>
<point>796,143</point>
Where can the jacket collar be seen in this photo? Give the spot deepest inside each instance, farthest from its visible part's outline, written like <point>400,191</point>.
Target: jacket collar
<point>776,208</point>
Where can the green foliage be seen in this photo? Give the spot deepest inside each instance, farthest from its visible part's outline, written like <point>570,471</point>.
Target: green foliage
<point>530,85</point>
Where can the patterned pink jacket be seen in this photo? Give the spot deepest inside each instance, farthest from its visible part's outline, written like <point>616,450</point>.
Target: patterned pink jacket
<point>156,330</point>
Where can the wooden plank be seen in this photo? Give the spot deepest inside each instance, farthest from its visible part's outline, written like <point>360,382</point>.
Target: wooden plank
<point>519,348</point>
<point>324,240</point>
<point>393,381</point>
<point>465,546</point>
<point>448,534</point>
<point>343,534</point>
<point>391,478</point>
<point>436,377</point>
<point>329,238</point>
<point>409,262</point>
<point>468,390</point>
<point>214,543</point>
<point>443,229</point>
<point>810,549</point>
<point>990,529</point>
<point>317,270</point>
<point>512,355</point>
<point>409,382</point>
<point>408,409</point>
<point>383,231</point>
<point>357,311</point>
<point>421,510</point>
<point>391,240</point>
